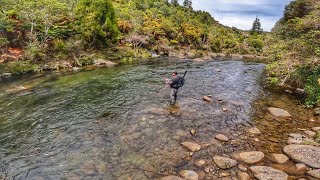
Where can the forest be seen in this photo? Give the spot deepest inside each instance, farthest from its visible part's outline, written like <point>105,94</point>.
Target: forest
<point>59,34</point>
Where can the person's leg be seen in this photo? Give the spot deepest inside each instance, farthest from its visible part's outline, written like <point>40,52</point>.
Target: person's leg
<point>173,96</point>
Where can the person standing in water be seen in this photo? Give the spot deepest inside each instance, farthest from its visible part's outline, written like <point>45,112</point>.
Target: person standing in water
<point>175,83</point>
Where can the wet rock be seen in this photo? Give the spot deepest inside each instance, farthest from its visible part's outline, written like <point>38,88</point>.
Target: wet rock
<point>189,175</point>
<point>192,146</point>
<point>193,132</point>
<point>317,129</point>
<point>243,176</point>
<point>224,174</point>
<point>181,133</point>
<point>172,178</point>
<point>294,141</point>
<point>310,133</point>
<point>288,91</point>
<point>314,173</point>
<point>289,168</point>
<point>102,62</point>
<point>242,167</point>
<point>268,173</point>
<point>6,74</point>
<point>222,137</point>
<point>278,112</point>
<point>301,167</point>
<point>218,70</point>
<point>295,135</point>
<point>278,158</point>
<point>309,155</point>
<point>224,162</point>
<point>76,69</point>
<point>207,98</point>
<point>317,111</point>
<point>251,157</point>
<point>202,175</point>
<point>254,130</point>
<point>224,109</point>
<point>299,91</point>
<point>200,163</point>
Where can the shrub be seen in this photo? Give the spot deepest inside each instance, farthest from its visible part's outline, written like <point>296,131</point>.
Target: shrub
<point>21,67</point>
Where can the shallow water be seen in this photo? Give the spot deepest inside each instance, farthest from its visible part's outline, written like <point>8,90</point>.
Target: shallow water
<point>116,123</point>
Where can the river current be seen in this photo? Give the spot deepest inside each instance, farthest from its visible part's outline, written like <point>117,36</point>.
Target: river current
<point>116,123</point>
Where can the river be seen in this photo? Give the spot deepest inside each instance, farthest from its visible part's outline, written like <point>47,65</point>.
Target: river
<point>116,123</point>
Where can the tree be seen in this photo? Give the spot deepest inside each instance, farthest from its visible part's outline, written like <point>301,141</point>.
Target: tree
<point>96,22</point>
<point>175,2</point>
<point>256,26</point>
<point>187,4</point>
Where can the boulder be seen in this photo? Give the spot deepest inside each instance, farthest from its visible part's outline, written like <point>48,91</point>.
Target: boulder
<point>224,162</point>
<point>251,157</point>
<point>192,146</point>
<point>268,173</point>
<point>314,173</point>
<point>309,155</point>
<point>278,158</point>
<point>222,137</point>
<point>172,178</point>
<point>189,175</point>
<point>279,112</point>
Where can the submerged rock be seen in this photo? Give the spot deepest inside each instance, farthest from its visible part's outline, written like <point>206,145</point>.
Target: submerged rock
<point>200,163</point>
<point>189,175</point>
<point>222,137</point>
<point>172,178</point>
<point>278,158</point>
<point>314,173</point>
<point>251,157</point>
<point>224,162</point>
<point>192,146</point>
<point>207,98</point>
<point>254,130</point>
<point>268,173</point>
<point>278,112</point>
<point>309,155</point>
<point>243,176</point>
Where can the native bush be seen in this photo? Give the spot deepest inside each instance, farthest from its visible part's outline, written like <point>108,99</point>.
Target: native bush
<point>20,67</point>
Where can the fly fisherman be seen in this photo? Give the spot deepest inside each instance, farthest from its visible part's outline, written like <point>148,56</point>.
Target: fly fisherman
<point>175,83</point>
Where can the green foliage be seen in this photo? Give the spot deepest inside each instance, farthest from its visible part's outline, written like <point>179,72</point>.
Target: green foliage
<point>36,51</point>
<point>96,22</point>
<point>21,67</point>
<point>312,87</point>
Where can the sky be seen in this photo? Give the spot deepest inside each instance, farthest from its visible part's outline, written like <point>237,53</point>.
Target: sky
<point>242,13</point>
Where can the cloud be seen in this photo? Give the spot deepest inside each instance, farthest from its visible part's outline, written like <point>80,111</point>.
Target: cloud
<point>242,13</point>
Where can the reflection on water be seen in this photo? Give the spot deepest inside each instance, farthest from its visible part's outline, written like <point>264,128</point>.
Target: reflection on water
<point>116,123</point>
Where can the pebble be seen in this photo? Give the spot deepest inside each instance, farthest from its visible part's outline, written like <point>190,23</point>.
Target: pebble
<point>278,158</point>
<point>222,137</point>
<point>200,163</point>
<point>254,130</point>
<point>193,132</point>
<point>242,167</point>
<point>189,175</point>
<point>310,133</point>
<point>314,173</point>
<point>317,129</point>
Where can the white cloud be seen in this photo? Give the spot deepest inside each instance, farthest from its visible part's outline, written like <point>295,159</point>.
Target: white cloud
<point>242,13</point>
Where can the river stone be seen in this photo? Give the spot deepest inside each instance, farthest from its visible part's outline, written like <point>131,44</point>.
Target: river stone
<point>192,146</point>
<point>222,137</point>
<point>242,167</point>
<point>207,98</point>
<point>268,173</point>
<point>314,173</point>
<point>200,163</point>
<point>278,112</point>
<point>317,129</point>
<point>189,175</point>
<point>278,158</point>
<point>294,141</point>
<point>251,157</point>
<point>224,162</point>
<point>310,133</point>
<point>301,167</point>
<point>243,176</point>
<point>254,130</point>
<point>295,135</point>
<point>172,178</point>
<point>309,155</point>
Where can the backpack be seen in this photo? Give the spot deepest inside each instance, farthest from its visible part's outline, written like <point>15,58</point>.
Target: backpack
<point>180,81</point>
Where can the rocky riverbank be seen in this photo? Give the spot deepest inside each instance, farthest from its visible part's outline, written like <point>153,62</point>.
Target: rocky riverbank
<point>299,159</point>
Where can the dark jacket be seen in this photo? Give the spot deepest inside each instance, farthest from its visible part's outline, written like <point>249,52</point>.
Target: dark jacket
<point>174,82</point>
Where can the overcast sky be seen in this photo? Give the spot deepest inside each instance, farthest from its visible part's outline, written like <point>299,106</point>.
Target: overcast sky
<point>242,13</point>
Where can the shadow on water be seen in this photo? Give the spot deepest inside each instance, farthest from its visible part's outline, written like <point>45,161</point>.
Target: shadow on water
<point>116,123</point>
